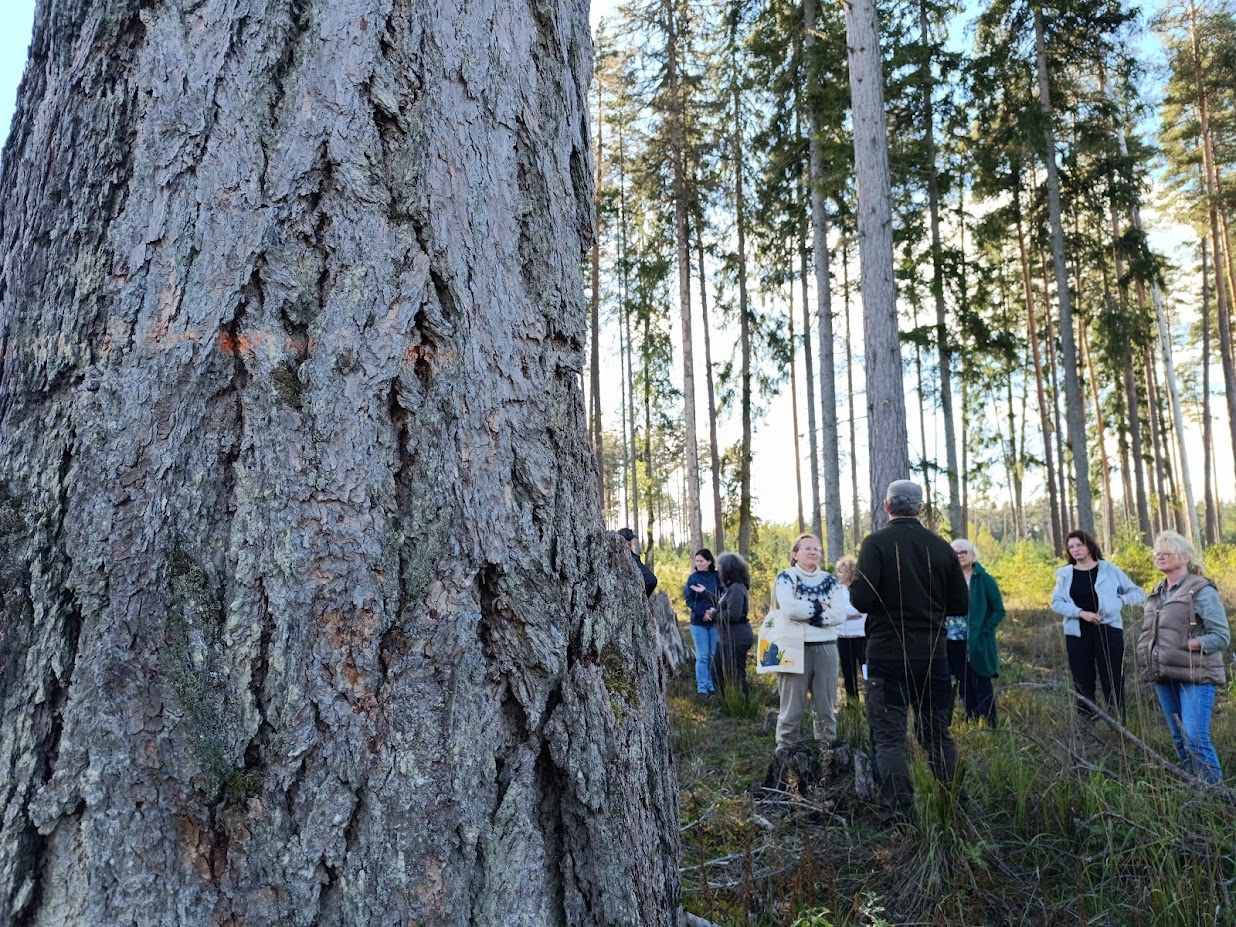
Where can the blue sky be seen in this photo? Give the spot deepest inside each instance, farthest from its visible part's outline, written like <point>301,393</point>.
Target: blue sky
<point>15,25</point>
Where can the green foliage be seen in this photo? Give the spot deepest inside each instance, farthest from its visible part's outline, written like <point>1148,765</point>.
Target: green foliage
<point>1026,575</point>
<point>1132,556</point>
<point>1219,563</point>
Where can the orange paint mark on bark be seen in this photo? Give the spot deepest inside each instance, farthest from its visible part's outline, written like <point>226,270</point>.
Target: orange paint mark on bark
<point>196,846</point>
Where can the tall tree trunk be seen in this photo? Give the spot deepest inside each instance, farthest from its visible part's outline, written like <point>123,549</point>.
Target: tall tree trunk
<point>798,459</point>
<point>921,399</point>
<point>1158,442</point>
<point>624,355</point>
<point>937,281</point>
<point>713,450</point>
<point>652,500</point>
<point>1138,450</point>
<point>1045,422</point>
<point>1169,368</point>
<point>809,369</point>
<point>1054,395</point>
<point>886,407</point>
<point>1211,532</point>
<point>744,323</point>
<point>830,440</point>
<point>1173,393</point>
<point>625,264</point>
<point>856,526</point>
<point>678,169</point>
<point>1109,507</point>
<point>321,624</point>
<point>594,367</point>
<point>1074,410</point>
<point>1224,293</point>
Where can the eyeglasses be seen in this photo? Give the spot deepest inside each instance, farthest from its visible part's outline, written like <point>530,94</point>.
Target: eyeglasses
<point>805,548</point>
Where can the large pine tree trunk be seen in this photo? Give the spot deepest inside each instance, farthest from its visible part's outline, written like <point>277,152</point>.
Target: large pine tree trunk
<point>834,522</point>
<point>1074,410</point>
<point>308,613</point>
<point>886,402</point>
<point>956,526</point>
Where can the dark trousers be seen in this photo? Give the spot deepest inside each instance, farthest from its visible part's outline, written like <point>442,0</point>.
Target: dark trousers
<point>851,651</point>
<point>729,667</point>
<point>977,694</point>
<point>894,687</point>
<point>1098,654</point>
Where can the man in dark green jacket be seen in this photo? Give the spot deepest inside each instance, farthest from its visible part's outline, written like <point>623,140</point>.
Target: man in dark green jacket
<point>908,579</point>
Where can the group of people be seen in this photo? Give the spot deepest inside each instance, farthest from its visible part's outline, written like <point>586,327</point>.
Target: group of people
<point>915,617</point>
<point>1180,646</point>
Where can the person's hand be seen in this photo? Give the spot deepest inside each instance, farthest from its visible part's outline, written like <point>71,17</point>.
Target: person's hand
<point>697,588</point>
<point>1092,617</point>
<point>708,615</point>
<point>1194,645</point>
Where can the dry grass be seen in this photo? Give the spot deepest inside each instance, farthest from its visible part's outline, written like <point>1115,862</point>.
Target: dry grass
<point>1066,822</point>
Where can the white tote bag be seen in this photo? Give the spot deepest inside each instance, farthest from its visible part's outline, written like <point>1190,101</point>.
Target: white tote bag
<point>779,648</point>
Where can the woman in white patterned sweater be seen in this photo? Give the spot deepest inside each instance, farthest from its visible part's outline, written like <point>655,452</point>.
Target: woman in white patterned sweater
<point>813,596</point>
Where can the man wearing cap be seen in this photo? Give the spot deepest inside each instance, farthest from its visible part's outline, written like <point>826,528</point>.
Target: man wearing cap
<point>650,578</point>
<point>908,579</point>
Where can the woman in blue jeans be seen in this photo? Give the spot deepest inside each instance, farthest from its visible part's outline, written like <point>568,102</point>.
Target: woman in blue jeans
<point>701,594</point>
<point>1180,649</point>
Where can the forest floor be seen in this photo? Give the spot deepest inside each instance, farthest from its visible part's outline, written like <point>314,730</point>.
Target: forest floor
<point>1066,822</point>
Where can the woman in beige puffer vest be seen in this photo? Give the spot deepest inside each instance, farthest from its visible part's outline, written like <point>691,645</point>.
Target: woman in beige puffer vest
<point>1180,649</point>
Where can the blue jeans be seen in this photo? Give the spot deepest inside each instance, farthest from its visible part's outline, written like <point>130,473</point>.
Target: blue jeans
<point>704,636</point>
<point>1187,707</point>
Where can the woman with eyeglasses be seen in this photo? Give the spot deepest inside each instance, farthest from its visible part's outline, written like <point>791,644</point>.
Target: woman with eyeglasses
<point>972,654</point>
<point>1180,649</point>
<point>811,595</point>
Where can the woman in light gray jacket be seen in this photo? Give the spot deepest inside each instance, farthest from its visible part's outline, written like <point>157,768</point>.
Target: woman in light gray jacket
<point>1089,593</point>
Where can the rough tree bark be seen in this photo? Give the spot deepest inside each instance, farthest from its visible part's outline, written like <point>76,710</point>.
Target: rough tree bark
<point>834,523</point>
<point>1074,410</point>
<point>886,402</point>
<point>308,613</point>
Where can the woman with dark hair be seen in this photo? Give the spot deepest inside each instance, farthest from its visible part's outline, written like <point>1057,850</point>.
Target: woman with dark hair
<point>734,634</point>
<point>1089,594</point>
<point>701,595</point>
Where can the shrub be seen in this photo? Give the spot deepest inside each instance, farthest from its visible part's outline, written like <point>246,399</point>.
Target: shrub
<point>1026,575</point>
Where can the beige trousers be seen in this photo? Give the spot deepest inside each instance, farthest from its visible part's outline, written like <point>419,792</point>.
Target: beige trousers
<point>819,677</point>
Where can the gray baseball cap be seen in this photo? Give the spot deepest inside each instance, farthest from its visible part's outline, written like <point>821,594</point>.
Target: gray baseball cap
<point>905,491</point>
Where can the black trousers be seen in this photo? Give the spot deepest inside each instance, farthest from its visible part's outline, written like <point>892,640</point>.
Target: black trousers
<point>1098,654</point>
<point>729,667</point>
<point>851,651</point>
<point>977,694</point>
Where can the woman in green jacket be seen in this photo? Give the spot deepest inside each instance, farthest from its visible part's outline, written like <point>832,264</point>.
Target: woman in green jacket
<point>982,661</point>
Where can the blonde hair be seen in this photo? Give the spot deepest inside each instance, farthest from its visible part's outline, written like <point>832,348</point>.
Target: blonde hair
<point>1173,543</point>
<point>967,546</point>
<point>798,540</point>
<point>847,565</point>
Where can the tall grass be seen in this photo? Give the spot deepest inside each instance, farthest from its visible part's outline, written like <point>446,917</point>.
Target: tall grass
<point>1054,819</point>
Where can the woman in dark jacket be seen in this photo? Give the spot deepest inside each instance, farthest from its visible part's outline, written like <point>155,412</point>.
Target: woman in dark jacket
<point>734,634</point>
<point>980,662</point>
<point>700,594</point>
